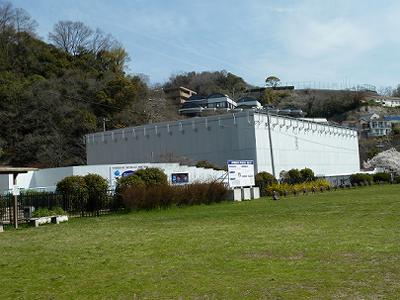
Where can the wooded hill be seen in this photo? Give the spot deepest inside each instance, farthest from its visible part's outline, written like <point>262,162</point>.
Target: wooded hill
<point>50,97</point>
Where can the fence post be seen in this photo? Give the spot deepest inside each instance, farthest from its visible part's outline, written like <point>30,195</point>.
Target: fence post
<point>15,201</point>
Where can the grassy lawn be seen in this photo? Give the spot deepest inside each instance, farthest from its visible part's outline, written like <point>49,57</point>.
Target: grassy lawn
<point>337,245</point>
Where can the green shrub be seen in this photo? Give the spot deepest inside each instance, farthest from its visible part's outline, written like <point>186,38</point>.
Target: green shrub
<point>45,212</point>
<point>41,212</point>
<point>75,191</point>
<point>397,179</point>
<point>97,188</point>
<point>381,177</point>
<point>58,211</point>
<point>264,179</point>
<point>360,177</point>
<point>152,176</point>
<point>293,176</point>
<point>127,181</point>
<point>307,175</point>
<point>72,185</point>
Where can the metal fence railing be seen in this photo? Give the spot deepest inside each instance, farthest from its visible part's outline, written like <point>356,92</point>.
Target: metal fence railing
<point>76,205</point>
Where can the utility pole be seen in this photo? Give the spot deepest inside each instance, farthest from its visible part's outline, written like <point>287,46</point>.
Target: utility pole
<point>270,144</point>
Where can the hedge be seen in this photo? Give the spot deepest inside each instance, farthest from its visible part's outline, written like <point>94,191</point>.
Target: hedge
<point>360,178</point>
<point>381,177</point>
<point>142,197</point>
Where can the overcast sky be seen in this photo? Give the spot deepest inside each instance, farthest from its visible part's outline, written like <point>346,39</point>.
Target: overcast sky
<point>324,41</point>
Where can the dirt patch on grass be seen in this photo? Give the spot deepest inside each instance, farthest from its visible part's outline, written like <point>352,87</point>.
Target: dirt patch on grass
<point>349,257</point>
<point>272,255</point>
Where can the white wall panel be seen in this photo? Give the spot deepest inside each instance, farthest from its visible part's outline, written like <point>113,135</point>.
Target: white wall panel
<point>298,144</point>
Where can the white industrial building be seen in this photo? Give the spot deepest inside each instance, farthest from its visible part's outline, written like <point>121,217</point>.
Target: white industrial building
<point>293,143</point>
<point>46,179</point>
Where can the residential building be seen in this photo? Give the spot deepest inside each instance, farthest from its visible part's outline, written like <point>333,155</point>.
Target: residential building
<point>372,125</point>
<point>218,100</point>
<point>178,95</point>
<point>386,101</point>
<point>248,102</point>
<point>379,128</point>
<point>196,104</point>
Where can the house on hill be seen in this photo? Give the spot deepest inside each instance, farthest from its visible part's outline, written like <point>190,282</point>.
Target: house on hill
<point>248,102</point>
<point>178,95</point>
<point>197,104</point>
<point>372,125</point>
<point>386,101</point>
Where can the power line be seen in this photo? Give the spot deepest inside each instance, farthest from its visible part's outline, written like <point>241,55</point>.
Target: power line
<point>91,102</point>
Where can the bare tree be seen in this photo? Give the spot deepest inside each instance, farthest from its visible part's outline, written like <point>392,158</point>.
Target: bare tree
<point>24,22</point>
<point>396,91</point>
<point>73,37</point>
<point>101,41</point>
<point>6,15</point>
<point>16,19</point>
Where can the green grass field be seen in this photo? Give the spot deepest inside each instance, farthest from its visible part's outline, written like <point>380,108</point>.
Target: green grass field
<point>336,245</point>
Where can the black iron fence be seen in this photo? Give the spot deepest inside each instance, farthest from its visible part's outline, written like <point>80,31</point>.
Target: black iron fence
<point>76,205</point>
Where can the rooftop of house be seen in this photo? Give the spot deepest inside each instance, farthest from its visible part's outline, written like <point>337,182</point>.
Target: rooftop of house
<point>392,118</point>
<point>369,117</point>
<point>179,88</point>
<point>247,99</point>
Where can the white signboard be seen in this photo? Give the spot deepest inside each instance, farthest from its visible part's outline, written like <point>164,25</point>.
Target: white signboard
<point>122,171</point>
<point>241,173</point>
<point>15,190</point>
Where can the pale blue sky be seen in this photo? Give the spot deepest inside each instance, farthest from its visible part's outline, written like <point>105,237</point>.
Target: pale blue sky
<point>326,41</point>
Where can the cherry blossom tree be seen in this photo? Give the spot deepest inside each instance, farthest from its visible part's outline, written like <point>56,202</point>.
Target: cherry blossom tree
<point>388,160</point>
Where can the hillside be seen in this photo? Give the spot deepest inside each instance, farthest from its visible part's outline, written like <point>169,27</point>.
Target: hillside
<point>50,98</point>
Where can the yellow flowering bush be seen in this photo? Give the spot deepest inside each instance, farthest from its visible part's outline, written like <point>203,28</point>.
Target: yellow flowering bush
<point>298,187</point>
